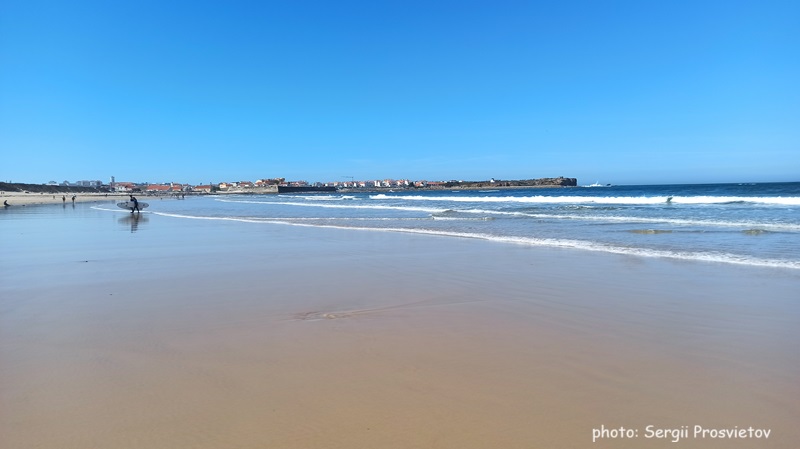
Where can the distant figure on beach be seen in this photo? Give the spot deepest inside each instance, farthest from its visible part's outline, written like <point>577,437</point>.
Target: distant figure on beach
<point>73,199</point>
<point>5,203</point>
<point>135,204</point>
<point>63,199</point>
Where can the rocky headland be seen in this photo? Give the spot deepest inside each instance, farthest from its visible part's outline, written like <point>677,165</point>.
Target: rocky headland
<point>494,183</point>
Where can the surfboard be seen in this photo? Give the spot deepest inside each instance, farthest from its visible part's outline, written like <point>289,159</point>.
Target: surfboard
<point>129,205</point>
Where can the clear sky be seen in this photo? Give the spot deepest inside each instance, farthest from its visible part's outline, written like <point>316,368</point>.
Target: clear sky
<point>622,92</point>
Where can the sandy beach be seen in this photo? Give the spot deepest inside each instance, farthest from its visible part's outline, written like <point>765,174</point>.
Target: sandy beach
<point>128,331</point>
<point>27,199</point>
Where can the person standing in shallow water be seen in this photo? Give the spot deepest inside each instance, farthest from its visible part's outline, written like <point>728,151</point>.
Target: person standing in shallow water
<point>135,204</point>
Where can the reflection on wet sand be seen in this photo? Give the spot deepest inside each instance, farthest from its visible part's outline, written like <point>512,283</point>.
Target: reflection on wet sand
<point>133,221</point>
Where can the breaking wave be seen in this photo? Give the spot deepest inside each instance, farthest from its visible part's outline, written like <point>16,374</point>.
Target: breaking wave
<point>628,200</point>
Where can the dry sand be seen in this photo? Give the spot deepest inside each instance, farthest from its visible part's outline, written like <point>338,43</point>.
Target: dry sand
<point>238,336</point>
<point>26,199</point>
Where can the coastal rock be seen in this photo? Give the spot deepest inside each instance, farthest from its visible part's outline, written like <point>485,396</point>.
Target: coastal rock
<point>540,182</point>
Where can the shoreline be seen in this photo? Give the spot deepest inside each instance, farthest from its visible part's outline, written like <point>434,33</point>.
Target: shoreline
<point>266,336</point>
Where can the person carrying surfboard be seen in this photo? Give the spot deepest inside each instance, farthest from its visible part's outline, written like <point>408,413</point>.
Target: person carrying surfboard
<point>135,204</point>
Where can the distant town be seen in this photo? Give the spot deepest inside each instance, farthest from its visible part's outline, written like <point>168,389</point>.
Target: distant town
<point>277,185</point>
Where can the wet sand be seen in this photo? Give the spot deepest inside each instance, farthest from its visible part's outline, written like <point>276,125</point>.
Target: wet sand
<point>118,331</point>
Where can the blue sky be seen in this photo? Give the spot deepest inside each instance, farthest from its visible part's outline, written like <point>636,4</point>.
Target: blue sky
<point>615,91</point>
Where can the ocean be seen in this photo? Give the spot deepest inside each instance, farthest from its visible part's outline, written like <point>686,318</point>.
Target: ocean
<point>749,224</point>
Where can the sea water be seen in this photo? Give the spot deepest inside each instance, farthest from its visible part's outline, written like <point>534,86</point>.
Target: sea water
<point>751,224</point>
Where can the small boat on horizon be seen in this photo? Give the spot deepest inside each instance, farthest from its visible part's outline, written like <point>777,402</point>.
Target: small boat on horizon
<point>597,184</point>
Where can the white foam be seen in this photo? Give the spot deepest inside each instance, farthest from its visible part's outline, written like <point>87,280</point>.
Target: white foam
<point>783,227</point>
<point>780,227</point>
<point>195,217</point>
<point>345,206</point>
<point>326,197</point>
<point>118,210</point>
<point>717,257</point>
<point>628,200</point>
<point>592,246</point>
